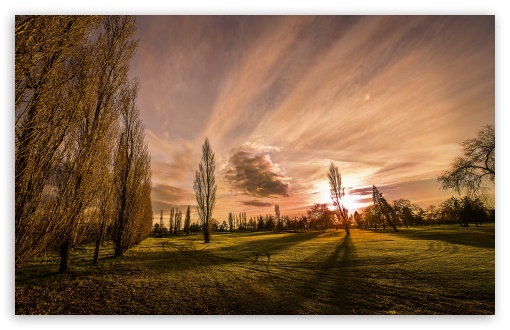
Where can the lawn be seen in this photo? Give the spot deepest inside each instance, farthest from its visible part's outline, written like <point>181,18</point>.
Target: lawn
<point>421,270</point>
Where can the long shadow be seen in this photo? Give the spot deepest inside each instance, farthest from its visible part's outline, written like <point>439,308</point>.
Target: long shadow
<point>347,249</point>
<point>332,280</point>
<point>267,247</point>
<point>471,236</point>
<point>278,241</point>
<point>172,257</point>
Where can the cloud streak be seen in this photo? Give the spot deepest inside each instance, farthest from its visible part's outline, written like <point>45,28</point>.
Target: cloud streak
<point>164,197</point>
<point>386,98</point>
<point>257,203</point>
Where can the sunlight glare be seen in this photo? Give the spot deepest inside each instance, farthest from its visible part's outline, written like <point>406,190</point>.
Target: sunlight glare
<point>349,201</point>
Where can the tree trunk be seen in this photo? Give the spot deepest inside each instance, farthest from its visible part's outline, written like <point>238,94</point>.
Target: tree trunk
<point>121,219</point>
<point>99,242</point>
<point>65,257</point>
<point>207,233</point>
<point>96,252</point>
<point>346,227</point>
<point>119,251</point>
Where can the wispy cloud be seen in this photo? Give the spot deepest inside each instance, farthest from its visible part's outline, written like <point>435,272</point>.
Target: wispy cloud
<point>386,98</point>
<point>257,203</point>
<point>164,197</point>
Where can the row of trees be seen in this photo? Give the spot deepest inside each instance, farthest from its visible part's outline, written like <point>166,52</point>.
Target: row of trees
<point>205,193</point>
<point>175,223</point>
<point>82,168</point>
<point>237,222</point>
<point>320,217</point>
<point>463,211</point>
<point>470,173</point>
<point>269,223</point>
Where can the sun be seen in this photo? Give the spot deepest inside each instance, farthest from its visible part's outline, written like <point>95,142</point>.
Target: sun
<point>324,197</point>
<point>323,192</point>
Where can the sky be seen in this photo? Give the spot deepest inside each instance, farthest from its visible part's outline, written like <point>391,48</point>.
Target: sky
<point>387,99</point>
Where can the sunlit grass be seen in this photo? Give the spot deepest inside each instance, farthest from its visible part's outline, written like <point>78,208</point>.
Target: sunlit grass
<point>427,270</point>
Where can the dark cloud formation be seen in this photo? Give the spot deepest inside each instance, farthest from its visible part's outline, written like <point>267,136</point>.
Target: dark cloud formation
<point>257,203</point>
<point>361,191</point>
<point>421,192</point>
<point>256,175</point>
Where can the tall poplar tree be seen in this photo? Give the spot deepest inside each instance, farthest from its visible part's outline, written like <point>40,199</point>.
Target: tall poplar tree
<point>205,188</point>
<point>187,221</point>
<point>337,192</point>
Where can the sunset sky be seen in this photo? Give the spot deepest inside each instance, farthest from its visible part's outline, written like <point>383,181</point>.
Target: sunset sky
<point>386,98</point>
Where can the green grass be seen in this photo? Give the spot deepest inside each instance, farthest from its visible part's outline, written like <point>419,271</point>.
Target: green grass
<point>425,270</point>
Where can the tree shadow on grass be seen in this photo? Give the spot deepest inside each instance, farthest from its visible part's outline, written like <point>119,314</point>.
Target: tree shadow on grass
<point>166,255</point>
<point>328,288</point>
<point>179,257</point>
<point>229,281</point>
<point>275,242</point>
<point>471,236</point>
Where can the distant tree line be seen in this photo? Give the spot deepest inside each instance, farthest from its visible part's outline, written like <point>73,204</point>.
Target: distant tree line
<point>401,213</point>
<point>473,173</point>
<point>176,223</point>
<point>463,211</point>
<point>469,173</point>
<point>404,214</point>
<point>239,222</point>
<point>82,167</point>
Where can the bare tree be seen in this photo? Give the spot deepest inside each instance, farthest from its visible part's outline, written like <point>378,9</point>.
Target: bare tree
<point>160,224</point>
<point>132,176</point>
<point>277,218</point>
<point>187,221</point>
<point>320,215</point>
<point>403,211</point>
<point>106,213</point>
<point>171,221</point>
<point>433,215</point>
<point>90,145</point>
<point>337,192</point>
<point>205,188</point>
<point>69,73</point>
<point>51,93</point>
<point>384,209</point>
<point>178,221</point>
<point>231,222</point>
<point>476,168</point>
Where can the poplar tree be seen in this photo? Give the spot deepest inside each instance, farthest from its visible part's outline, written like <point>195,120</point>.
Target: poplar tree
<point>337,192</point>
<point>205,188</point>
<point>187,221</point>
<point>70,75</point>
<point>132,176</point>
<point>277,217</point>
<point>231,222</point>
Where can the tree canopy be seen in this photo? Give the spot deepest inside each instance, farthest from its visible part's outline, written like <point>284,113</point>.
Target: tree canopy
<point>476,168</point>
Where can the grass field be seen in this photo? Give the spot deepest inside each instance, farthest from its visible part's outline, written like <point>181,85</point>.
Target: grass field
<point>425,270</point>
